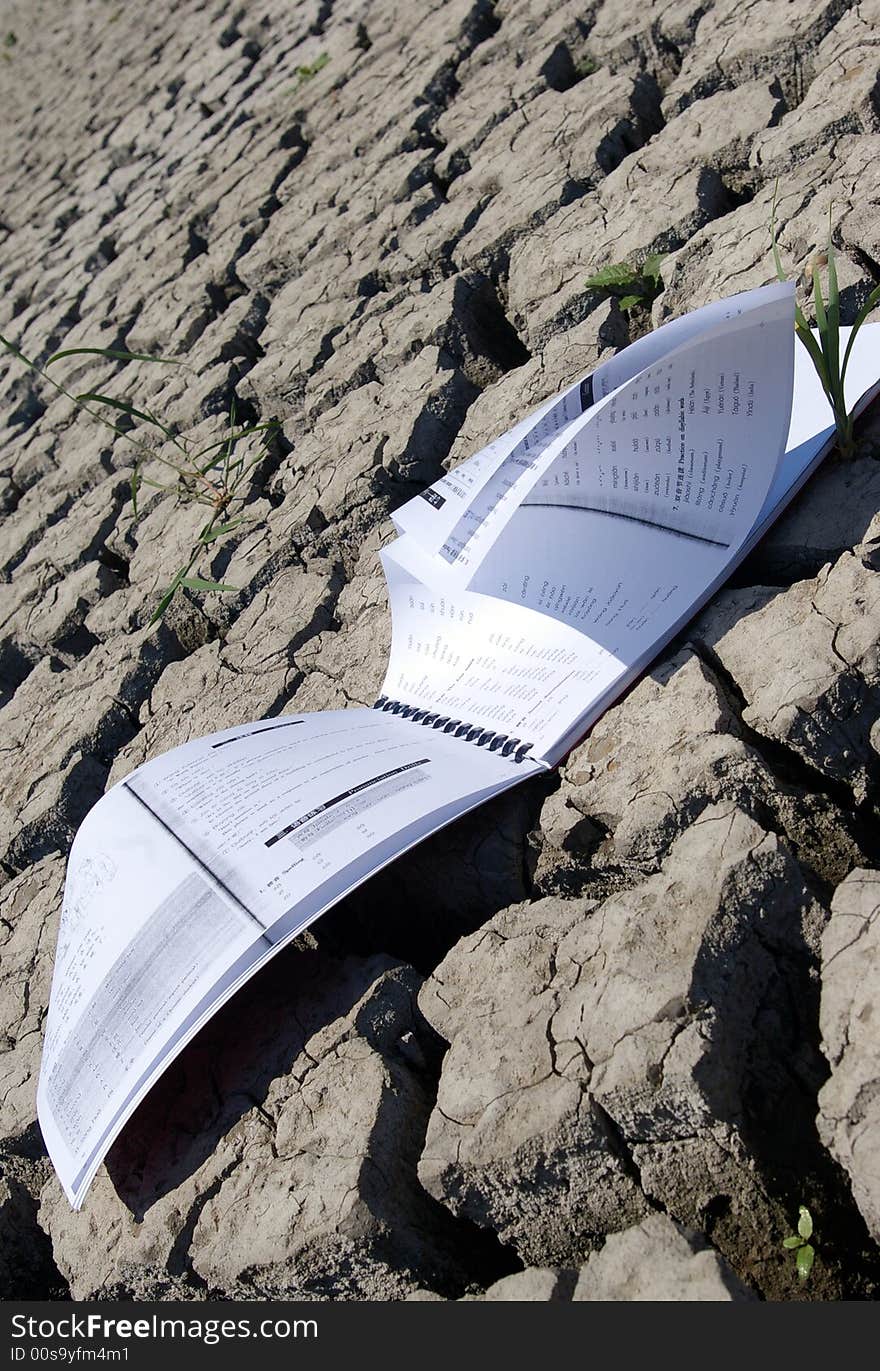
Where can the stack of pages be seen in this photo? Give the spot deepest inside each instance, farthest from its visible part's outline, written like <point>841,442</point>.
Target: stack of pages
<point>528,588</point>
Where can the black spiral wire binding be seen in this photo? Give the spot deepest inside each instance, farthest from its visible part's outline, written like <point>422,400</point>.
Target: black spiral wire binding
<point>471,733</point>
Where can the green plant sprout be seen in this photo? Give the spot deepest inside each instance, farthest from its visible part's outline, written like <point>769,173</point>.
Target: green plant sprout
<point>305,73</point>
<point>630,285</point>
<point>585,66</point>
<point>799,1243</point>
<point>825,353</point>
<point>215,475</point>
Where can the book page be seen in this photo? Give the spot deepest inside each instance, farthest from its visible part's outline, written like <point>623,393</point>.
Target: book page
<point>618,581</point>
<point>278,809</point>
<point>185,877</point>
<point>811,435</point>
<point>690,445</point>
<point>432,516</point>
<point>651,348</point>
<point>434,513</point>
<point>483,666</point>
<point>144,935</point>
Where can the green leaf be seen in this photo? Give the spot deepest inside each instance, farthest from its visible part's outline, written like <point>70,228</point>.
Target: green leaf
<point>805,1222</point>
<point>805,1258</point>
<point>780,271</point>
<point>210,535</point>
<point>305,73</point>
<point>116,354</point>
<point>821,317</point>
<point>833,347</point>
<point>94,398</point>
<point>615,274</point>
<point>628,302</point>
<point>792,1242</point>
<point>872,300</point>
<point>652,266</point>
<point>135,483</point>
<point>16,352</point>
<point>197,583</point>
<point>270,426</point>
<point>167,597</point>
<point>800,320</point>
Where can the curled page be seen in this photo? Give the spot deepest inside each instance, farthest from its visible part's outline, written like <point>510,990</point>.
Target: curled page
<point>811,436</point>
<point>432,517</point>
<point>202,864</point>
<point>689,445</point>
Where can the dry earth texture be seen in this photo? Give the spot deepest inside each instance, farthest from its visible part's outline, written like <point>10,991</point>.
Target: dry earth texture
<point>600,1040</point>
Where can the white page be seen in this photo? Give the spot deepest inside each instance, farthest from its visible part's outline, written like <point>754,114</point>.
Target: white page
<point>630,587</point>
<point>498,668</point>
<point>622,581</point>
<point>811,436</point>
<point>278,808</point>
<point>143,936</point>
<point>691,445</point>
<point>186,876</point>
<point>667,447</point>
<point>644,352</point>
<point>431,516</point>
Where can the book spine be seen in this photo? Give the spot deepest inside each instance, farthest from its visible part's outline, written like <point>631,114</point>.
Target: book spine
<point>514,748</point>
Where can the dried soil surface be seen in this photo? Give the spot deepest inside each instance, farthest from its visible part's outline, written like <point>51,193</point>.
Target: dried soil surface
<point>602,1038</point>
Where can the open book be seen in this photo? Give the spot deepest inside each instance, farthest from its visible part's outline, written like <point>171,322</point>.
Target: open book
<point>528,588</point>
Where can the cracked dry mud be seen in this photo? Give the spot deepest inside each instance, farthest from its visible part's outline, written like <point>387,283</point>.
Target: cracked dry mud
<point>599,1040</point>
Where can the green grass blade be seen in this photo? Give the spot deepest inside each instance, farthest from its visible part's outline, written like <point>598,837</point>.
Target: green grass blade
<point>270,426</point>
<point>805,333</point>
<point>872,300</point>
<point>198,583</point>
<point>167,597</point>
<point>780,271</point>
<point>94,398</point>
<point>135,483</point>
<point>833,349</point>
<point>230,442</point>
<point>17,352</point>
<point>114,354</point>
<point>821,317</point>
<point>211,535</point>
<point>828,345</point>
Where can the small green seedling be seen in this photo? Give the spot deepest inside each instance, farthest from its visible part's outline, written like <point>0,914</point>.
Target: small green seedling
<point>216,475</point>
<point>799,1243</point>
<point>631,286</point>
<point>306,72</point>
<point>585,66</point>
<point>825,353</point>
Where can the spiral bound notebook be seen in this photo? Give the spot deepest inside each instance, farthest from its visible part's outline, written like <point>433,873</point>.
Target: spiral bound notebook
<point>527,588</point>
